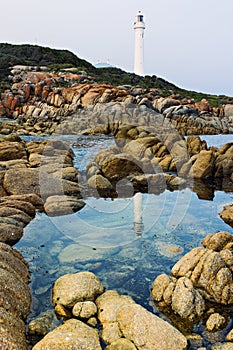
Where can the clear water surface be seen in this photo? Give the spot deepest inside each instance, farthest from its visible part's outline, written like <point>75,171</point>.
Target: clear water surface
<point>102,237</point>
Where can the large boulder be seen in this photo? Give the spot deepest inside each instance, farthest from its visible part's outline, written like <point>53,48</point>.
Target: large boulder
<point>147,331</point>
<point>108,305</point>
<point>203,166</point>
<point>74,334</point>
<point>118,167</point>
<point>72,288</point>
<point>62,205</point>
<point>12,150</point>
<point>203,274</point>
<point>39,182</point>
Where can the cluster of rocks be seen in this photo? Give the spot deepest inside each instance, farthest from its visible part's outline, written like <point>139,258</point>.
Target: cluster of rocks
<point>40,104</point>
<point>203,275</point>
<point>34,176</point>
<point>82,303</point>
<point>200,285</point>
<point>49,177</point>
<point>146,161</point>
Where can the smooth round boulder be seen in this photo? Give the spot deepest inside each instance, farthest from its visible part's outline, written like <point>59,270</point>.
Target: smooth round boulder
<point>72,288</point>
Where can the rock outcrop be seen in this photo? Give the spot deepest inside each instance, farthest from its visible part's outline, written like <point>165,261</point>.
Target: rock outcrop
<point>40,104</point>
<point>144,159</point>
<point>203,274</point>
<point>80,299</point>
<point>29,174</point>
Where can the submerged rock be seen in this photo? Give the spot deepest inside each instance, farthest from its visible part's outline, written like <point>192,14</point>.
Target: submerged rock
<point>41,324</point>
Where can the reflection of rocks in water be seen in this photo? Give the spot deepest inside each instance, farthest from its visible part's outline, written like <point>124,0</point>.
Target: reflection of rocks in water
<point>224,184</point>
<point>203,189</point>
<point>169,249</point>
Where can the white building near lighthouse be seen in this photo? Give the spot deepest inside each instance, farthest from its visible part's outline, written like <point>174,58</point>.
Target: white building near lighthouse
<point>139,27</point>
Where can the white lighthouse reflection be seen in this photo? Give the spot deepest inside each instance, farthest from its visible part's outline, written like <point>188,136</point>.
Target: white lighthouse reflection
<point>138,214</point>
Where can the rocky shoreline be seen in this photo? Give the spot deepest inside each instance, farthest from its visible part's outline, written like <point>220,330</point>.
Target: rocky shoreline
<point>151,155</point>
<point>40,103</point>
<point>52,184</point>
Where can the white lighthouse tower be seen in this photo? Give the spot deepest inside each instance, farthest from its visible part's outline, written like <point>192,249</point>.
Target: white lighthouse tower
<point>139,27</point>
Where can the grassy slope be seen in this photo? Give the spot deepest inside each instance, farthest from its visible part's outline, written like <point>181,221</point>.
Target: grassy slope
<point>35,55</point>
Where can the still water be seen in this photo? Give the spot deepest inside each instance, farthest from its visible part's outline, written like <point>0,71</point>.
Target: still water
<point>103,238</point>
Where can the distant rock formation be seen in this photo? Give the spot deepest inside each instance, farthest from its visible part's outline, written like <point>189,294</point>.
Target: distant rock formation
<point>40,102</point>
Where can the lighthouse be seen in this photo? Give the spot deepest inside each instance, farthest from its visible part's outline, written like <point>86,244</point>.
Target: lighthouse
<point>139,27</point>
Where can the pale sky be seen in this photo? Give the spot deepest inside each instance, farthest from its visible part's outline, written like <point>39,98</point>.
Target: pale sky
<point>187,42</point>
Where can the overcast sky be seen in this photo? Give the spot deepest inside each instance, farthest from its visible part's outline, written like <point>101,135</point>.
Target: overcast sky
<point>187,42</point>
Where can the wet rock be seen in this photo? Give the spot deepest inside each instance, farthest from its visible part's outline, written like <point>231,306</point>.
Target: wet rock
<point>73,334</point>
<point>99,182</point>
<point>37,182</point>
<point>10,231</point>
<point>12,150</point>
<point>215,322</point>
<point>62,205</point>
<point>23,206</point>
<point>42,324</point>
<point>77,252</point>
<point>195,340</point>
<point>72,288</point>
<point>227,214</point>
<point>32,198</point>
<point>121,344</point>
<point>120,166</point>
<point>217,241</point>
<point>186,300</point>
<point>203,166</point>
<point>147,331</point>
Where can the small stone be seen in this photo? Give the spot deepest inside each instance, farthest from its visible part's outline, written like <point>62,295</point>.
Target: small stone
<point>195,340</point>
<point>215,322</point>
<point>92,322</point>
<point>84,309</point>
<point>121,344</point>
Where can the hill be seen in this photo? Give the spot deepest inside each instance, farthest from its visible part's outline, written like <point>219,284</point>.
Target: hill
<point>34,55</point>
